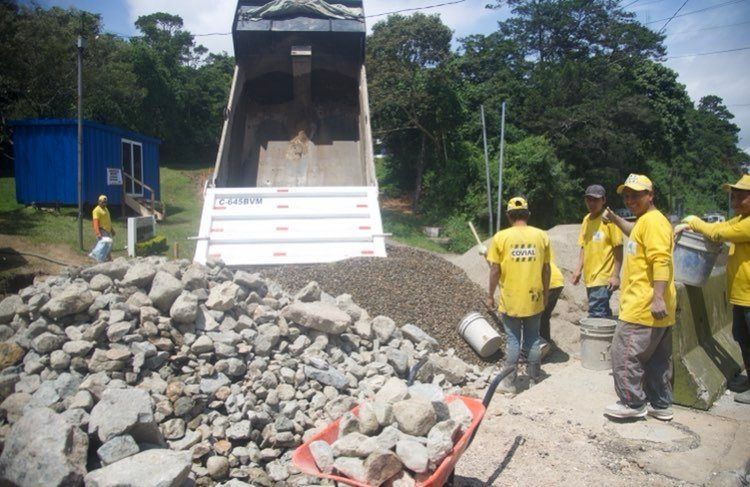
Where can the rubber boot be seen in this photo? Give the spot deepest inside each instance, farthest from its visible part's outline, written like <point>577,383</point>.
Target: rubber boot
<point>534,370</point>
<point>508,384</point>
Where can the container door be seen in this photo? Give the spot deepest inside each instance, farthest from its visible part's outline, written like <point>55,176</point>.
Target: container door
<point>132,166</point>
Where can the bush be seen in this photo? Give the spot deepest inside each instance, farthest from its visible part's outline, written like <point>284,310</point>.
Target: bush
<point>153,246</point>
<point>456,228</point>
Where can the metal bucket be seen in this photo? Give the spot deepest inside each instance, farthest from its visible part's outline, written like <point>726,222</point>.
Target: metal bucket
<point>596,341</point>
<point>479,334</point>
<point>694,258</point>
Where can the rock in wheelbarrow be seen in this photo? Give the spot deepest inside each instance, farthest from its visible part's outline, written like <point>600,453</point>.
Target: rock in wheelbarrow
<point>415,416</point>
<point>380,466</point>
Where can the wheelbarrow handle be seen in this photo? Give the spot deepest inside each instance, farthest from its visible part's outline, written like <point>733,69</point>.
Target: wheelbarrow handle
<point>490,393</point>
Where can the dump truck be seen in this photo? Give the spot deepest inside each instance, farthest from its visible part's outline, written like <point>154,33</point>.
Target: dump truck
<point>294,179</point>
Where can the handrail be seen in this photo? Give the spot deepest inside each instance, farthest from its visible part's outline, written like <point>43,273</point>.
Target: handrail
<point>152,199</point>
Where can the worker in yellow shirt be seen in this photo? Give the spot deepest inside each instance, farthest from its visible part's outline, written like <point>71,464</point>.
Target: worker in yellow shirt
<point>101,220</point>
<point>600,257</point>
<point>519,259</point>
<point>642,346</point>
<point>556,284</point>
<point>736,231</point>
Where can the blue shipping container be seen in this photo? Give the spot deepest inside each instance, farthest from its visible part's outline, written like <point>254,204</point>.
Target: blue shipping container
<point>46,161</point>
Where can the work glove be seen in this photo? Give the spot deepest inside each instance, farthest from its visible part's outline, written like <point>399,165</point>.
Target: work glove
<point>483,251</point>
<point>689,218</point>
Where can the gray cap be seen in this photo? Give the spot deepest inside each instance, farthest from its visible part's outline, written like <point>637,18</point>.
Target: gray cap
<point>596,190</point>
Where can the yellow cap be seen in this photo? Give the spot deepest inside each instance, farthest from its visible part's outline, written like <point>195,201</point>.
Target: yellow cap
<point>517,203</point>
<point>102,197</point>
<point>636,182</point>
<point>743,183</point>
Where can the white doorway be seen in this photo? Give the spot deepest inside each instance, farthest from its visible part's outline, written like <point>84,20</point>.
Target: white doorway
<point>132,165</point>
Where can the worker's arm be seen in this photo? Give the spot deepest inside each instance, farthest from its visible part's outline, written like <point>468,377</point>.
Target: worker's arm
<point>625,226</point>
<point>614,279</point>
<point>658,306</point>
<point>576,277</point>
<point>494,280</point>
<point>734,230</point>
<point>97,232</point>
<point>546,272</point>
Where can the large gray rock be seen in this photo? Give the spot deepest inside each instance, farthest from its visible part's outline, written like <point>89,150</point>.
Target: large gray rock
<point>223,296</point>
<point>393,390</point>
<point>125,411</point>
<point>140,275</point>
<point>116,449</point>
<point>415,416</point>
<point>323,455</point>
<point>251,282</point>
<point>165,288</point>
<point>440,440</point>
<point>195,277</point>
<point>383,327</point>
<point>12,407</point>
<point>100,282</point>
<point>318,316</point>
<point>9,307</point>
<point>151,468</point>
<point>354,445</point>
<point>380,466</point>
<point>417,335</point>
<point>43,448</point>
<point>75,298</point>
<point>413,455</point>
<point>354,468</point>
<point>330,377</point>
<point>184,309</point>
<point>114,270</point>
<point>454,369</point>
<point>47,342</point>
<point>209,385</point>
<point>309,293</point>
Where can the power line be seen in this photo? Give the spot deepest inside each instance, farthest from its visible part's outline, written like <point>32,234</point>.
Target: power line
<point>713,27</point>
<point>708,53</point>
<point>630,4</point>
<point>695,11</point>
<point>415,8</point>
<point>673,16</point>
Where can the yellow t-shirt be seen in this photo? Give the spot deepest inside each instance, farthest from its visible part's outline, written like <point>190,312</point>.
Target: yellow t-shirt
<point>736,231</point>
<point>102,214</point>
<point>648,258</point>
<point>598,240</point>
<point>521,252</point>
<point>556,278</point>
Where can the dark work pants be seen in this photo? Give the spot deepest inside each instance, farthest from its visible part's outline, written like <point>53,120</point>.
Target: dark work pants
<point>741,332</point>
<point>642,364</point>
<point>544,329</point>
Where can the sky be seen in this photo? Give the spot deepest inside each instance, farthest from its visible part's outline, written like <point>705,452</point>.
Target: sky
<point>700,27</point>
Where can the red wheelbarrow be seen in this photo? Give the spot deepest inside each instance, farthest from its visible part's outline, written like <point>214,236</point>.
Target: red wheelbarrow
<point>443,475</point>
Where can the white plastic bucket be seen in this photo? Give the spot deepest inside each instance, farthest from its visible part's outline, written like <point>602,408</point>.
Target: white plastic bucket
<point>694,258</point>
<point>479,334</point>
<point>596,341</point>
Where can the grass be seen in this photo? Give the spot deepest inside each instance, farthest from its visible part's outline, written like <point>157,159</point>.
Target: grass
<point>407,229</point>
<point>180,193</point>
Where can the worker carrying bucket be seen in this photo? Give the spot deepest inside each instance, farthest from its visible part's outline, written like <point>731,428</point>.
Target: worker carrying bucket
<point>736,231</point>
<point>519,259</point>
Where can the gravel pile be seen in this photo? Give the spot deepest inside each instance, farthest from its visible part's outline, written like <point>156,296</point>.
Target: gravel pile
<point>410,286</point>
<point>153,372</point>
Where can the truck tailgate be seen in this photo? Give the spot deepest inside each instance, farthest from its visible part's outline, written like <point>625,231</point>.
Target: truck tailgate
<point>295,225</point>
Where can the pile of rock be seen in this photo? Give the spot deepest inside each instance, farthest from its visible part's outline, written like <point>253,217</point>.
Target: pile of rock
<point>154,372</point>
<point>398,438</point>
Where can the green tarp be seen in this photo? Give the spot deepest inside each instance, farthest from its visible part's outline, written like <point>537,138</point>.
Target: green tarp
<point>277,9</point>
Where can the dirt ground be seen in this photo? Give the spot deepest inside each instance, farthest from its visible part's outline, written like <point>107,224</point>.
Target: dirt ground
<point>18,269</point>
<point>555,433</point>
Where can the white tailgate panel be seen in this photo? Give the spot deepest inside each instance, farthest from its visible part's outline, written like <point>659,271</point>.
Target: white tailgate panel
<point>299,225</point>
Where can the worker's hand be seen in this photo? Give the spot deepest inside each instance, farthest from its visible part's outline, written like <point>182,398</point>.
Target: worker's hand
<point>689,218</point>
<point>545,297</point>
<point>658,307</point>
<point>98,236</point>
<point>608,215</point>
<point>613,284</point>
<point>490,302</point>
<point>483,251</point>
<point>575,278</point>
<point>680,228</point>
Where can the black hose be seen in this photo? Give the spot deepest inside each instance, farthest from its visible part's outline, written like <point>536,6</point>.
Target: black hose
<point>58,262</point>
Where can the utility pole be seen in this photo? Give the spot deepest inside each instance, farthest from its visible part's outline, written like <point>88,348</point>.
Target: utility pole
<point>80,45</point>
<point>487,170</point>
<point>500,169</point>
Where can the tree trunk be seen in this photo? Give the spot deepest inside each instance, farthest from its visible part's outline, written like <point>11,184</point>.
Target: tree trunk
<point>420,172</point>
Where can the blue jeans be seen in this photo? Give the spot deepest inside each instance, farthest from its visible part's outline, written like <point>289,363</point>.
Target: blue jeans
<point>515,328</point>
<point>741,331</point>
<point>599,301</point>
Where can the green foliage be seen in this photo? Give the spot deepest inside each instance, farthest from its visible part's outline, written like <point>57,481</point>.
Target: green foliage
<point>155,245</point>
<point>456,228</point>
